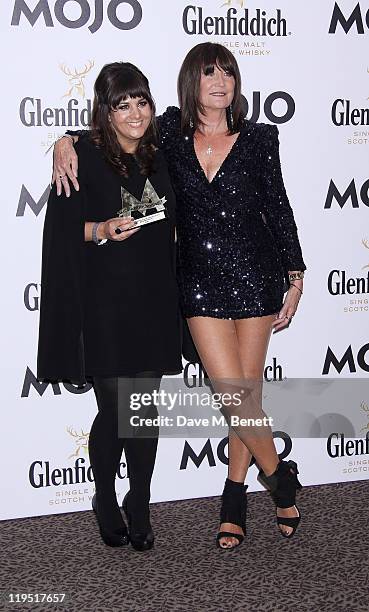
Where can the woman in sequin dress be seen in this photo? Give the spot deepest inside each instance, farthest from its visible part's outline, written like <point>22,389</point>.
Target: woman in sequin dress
<point>237,245</point>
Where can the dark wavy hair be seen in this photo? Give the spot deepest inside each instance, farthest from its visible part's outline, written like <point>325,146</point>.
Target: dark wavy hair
<point>202,59</point>
<point>115,83</point>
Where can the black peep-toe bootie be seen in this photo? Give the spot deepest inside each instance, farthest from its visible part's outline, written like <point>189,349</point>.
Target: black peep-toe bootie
<point>111,537</point>
<point>141,534</point>
<point>233,510</point>
<point>283,484</point>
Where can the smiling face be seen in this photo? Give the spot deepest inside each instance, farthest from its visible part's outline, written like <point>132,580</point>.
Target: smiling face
<point>216,89</point>
<point>130,121</point>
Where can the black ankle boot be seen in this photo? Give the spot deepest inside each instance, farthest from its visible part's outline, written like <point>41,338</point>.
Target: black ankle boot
<point>233,510</point>
<point>111,537</point>
<point>283,484</point>
<point>141,534</point>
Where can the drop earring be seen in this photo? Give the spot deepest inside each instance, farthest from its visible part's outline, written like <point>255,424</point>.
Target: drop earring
<point>231,120</point>
<point>191,124</point>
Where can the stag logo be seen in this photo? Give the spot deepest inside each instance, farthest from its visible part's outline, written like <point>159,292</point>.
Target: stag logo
<point>76,79</point>
<point>365,242</point>
<point>81,442</point>
<point>230,2</point>
<point>365,408</point>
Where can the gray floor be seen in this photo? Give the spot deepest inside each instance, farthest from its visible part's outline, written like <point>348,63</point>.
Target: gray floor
<point>324,568</point>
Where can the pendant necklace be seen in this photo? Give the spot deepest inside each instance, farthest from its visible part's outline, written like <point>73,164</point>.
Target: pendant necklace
<point>209,150</point>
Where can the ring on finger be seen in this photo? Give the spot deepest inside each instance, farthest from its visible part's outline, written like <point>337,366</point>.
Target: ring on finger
<point>61,176</point>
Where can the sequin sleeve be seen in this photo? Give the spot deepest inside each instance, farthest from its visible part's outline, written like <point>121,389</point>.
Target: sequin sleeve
<point>276,207</point>
<point>169,126</point>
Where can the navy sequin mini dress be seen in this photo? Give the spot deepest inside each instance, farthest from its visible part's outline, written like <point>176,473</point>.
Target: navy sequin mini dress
<point>237,237</point>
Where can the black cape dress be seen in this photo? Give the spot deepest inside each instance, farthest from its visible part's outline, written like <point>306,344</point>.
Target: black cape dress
<point>107,310</point>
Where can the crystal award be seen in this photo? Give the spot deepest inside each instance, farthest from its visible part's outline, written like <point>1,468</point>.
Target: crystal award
<point>147,210</point>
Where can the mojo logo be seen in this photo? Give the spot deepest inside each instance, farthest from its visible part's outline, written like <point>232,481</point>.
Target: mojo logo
<point>355,19</point>
<point>257,23</point>
<point>350,194</point>
<point>84,13</point>
<point>25,199</point>
<point>30,380</point>
<point>347,359</point>
<point>31,297</point>
<point>277,98</point>
<point>207,452</point>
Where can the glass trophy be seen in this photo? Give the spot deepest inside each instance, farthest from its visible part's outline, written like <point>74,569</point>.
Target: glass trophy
<point>149,209</point>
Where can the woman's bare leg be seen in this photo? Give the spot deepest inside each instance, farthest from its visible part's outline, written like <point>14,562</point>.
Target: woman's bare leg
<point>253,339</point>
<point>217,344</point>
<point>236,350</point>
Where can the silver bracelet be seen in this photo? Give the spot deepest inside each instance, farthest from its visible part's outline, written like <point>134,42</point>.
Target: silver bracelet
<point>94,235</point>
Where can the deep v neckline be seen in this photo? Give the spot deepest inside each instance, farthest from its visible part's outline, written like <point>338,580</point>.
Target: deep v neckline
<point>221,165</point>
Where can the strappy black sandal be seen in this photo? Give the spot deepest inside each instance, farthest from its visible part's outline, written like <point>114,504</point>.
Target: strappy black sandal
<point>283,484</point>
<point>233,510</point>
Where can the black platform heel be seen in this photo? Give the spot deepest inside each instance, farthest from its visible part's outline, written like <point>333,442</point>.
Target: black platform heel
<point>110,537</point>
<point>143,539</point>
<point>233,510</point>
<point>283,484</point>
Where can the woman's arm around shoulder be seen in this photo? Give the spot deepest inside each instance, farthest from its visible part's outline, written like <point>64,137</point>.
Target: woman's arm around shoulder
<point>169,125</point>
<point>65,161</point>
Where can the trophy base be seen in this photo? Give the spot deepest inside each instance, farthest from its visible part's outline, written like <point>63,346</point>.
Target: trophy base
<point>149,219</point>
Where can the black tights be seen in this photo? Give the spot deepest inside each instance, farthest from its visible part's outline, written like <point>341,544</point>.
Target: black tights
<point>107,441</point>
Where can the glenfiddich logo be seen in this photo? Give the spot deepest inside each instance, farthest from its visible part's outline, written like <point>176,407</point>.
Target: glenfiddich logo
<point>42,474</point>
<point>76,79</point>
<point>238,21</point>
<point>73,108</point>
<point>341,283</point>
<point>346,113</point>
<point>33,112</point>
<point>339,446</point>
<point>80,441</point>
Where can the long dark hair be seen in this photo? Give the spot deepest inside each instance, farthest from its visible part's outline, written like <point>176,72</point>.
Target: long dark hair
<point>202,59</point>
<point>115,83</point>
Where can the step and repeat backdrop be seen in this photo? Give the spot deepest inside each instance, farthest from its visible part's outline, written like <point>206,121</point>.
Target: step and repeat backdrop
<point>305,67</point>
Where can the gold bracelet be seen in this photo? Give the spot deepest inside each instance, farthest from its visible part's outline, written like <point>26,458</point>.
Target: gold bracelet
<point>295,276</point>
